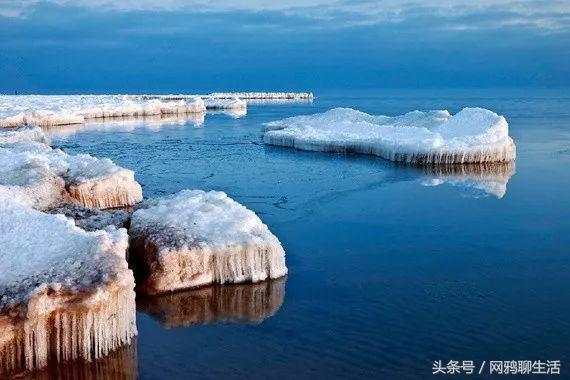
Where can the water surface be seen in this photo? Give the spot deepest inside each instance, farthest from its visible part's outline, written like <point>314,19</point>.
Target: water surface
<point>390,267</point>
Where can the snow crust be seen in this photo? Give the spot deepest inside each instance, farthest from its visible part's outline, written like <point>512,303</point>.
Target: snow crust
<point>196,238</point>
<point>46,177</point>
<point>54,110</point>
<point>473,135</point>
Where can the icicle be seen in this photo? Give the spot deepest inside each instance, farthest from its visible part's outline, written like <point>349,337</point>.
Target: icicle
<point>84,326</point>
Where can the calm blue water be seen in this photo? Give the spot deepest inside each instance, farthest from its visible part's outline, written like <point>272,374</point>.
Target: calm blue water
<point>386,274</point>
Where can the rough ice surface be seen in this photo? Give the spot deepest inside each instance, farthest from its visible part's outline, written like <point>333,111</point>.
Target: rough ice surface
<point>93,219</point>
<point>65,293</point>
<point>195,238</point>
<point>225,104</point>
<point>473,135</point>
<point>477,180</point>
<point>55,110</point>
<point>26,133</point>
<point>47,177</point>
<point>250,303</point>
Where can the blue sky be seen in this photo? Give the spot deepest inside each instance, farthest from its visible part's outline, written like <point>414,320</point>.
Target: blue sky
<point>65,46</point>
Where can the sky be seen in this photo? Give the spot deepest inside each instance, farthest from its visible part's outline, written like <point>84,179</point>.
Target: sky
<point>166,46</point>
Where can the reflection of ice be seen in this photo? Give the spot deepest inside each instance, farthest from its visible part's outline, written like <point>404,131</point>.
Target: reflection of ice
<point>477,179</point>
<point>233,113</point>
<point>119,365</point>
<point>128,124</point>
<point>246,303</point>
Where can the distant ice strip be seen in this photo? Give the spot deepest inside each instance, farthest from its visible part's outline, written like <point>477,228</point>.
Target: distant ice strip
<point>54,110</point>
<point>231,95</point>
<point>473,135</point>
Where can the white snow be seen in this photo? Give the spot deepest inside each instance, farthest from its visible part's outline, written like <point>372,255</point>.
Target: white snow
<point>262,95</point>
<point>195,238</point>
<point>14,135</point>
<point>65,293</point>
<point>474,135</point>
<point>52,110</point>
<point>234,103</point>
<point>45,176</point>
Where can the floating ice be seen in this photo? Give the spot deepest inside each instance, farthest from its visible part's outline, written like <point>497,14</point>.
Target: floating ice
<point>65,293</point>
<point>225,104</point>
<point>239,303</point>
<point>474,135</point>
<point>53,110</point>
<point>262,95</point>
<point>48,177</point>
<point>196,238</point>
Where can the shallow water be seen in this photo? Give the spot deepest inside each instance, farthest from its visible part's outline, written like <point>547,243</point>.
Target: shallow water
<point>386,274</point>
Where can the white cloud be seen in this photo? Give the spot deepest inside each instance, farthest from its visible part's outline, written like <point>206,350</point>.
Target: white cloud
<point>460,14</point>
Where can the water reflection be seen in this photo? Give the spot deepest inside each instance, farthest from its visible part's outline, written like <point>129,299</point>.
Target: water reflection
<point>233,113</point>
<point>119,365</point>
<point>127,124</point>
<point>235,303</point>
<point>476,180</point>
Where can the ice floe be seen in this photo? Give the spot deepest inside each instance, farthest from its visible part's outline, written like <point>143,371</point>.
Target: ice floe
<point>230,303</point>
<point>194,238</point>
<point>65,293</point>
<point>473,135</point>
<point>49,177</point>
<point>225,104</point>
<point>262,95</point>
<point>54,110</point>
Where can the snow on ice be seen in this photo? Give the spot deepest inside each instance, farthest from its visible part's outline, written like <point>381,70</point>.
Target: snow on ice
<point>195,238</point>
<point>473,135</point>
<point>74,300</point>
<point>225,104</point>
<point>54,110</point>
<point>48,177</point>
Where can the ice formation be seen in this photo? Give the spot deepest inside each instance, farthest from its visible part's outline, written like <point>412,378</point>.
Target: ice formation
<point>48,177</point>
<point>196,238</point>
<point>55,110</point>
<point>66,293</point>
<point>225,104</point>
<point>14,135</point>
<point>240,303</point>
<point>262,95</point>
<point>477,179</point>
<point>473,135</point>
